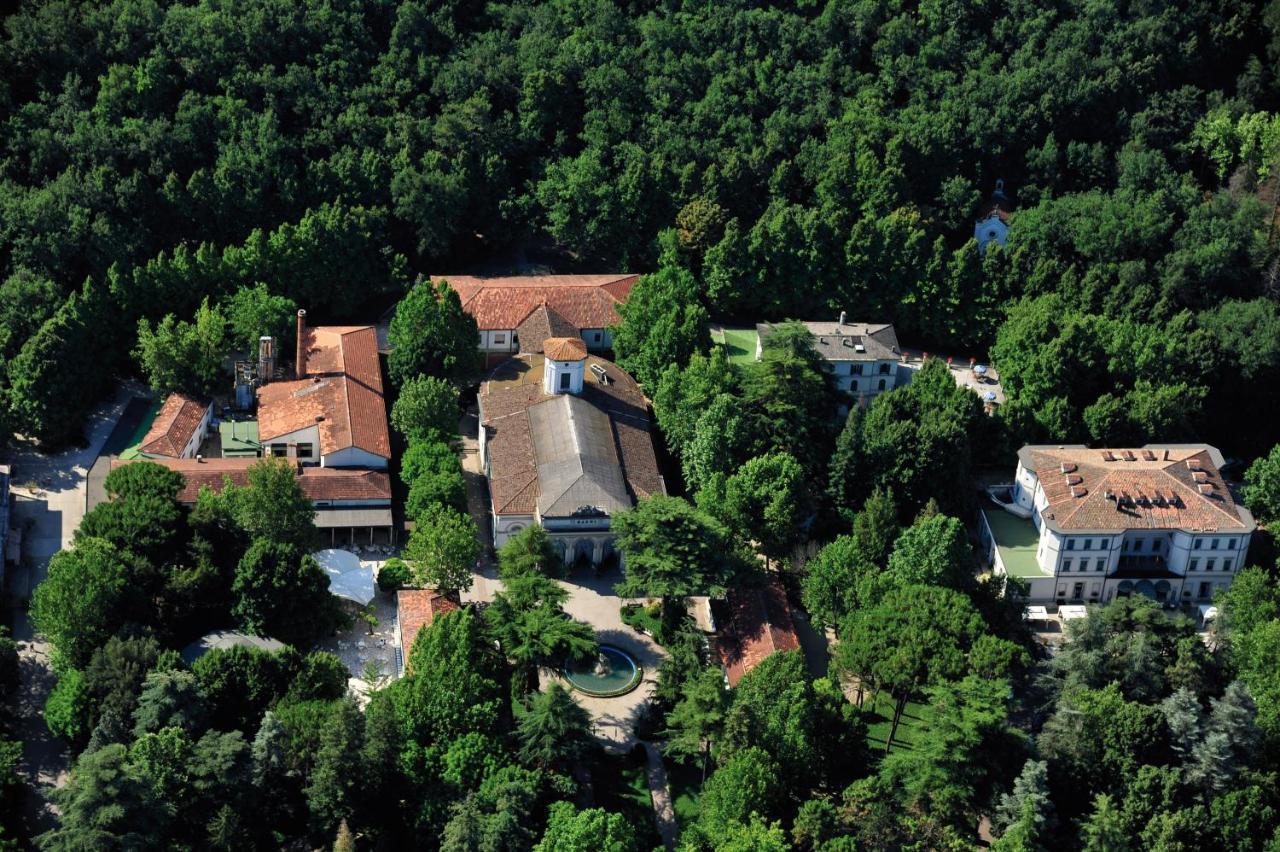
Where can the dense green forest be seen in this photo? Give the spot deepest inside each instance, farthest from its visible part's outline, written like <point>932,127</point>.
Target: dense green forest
<point>176,176</point>
<point>808,158</point>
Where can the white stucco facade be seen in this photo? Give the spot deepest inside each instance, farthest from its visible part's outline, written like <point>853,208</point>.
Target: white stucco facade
<point>1172,564</point>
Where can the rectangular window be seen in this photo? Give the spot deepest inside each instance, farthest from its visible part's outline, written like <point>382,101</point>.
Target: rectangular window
<point>1071,544</point>
<point>499,339</point>
<point>595,337</point>
<point>1088,544</point>
<point>1210,564</point>
<point>1066,566</point>
<point>1137,545</point>
<point>857,369</point>
<point>1231,544</point>
<point>304,451</point>
<point>1124,546</point>
<point>1199,543</point>
<point>1213,545</point>
<point>280,450</point>
<point>1226,565</point>
<point>1193,565</point>
<point>1204,589</point>
<point>1099,564</point>
<point>565,378</point>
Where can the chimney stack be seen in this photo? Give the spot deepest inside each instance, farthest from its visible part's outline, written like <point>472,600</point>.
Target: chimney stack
<point>301,363</point>
<point>842,316</point>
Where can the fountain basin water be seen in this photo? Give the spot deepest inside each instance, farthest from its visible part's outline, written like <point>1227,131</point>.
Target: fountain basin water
<point>610,673</point>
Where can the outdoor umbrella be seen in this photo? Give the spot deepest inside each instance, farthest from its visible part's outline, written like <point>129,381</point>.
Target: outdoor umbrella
<point>347,577</point>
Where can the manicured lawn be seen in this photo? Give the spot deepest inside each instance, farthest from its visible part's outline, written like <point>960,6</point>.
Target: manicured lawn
<point>739,344</point>
<point>879,719</point>
<point>619,785</point>
<point>686,789</point>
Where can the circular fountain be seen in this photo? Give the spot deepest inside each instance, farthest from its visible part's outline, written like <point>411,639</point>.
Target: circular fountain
<point>611,672</point>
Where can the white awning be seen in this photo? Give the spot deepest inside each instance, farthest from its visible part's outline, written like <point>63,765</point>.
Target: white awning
<point>1208,612</point>
<point>348,577</point>
<point>1072,612</point>
<point>1035,613</point>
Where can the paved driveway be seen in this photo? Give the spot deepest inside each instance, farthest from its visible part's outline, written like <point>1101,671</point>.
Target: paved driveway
<point>591,599</point>
<point>49,501</point>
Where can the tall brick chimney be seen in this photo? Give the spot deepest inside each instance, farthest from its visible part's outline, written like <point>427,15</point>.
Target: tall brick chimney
<point>301,362</point>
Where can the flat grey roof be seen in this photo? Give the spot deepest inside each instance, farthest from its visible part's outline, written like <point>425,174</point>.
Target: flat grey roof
<point>341,518</point>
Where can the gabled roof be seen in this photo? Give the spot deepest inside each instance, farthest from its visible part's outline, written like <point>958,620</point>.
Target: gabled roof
<point>759,626</point>
<point>317,483</point>
<point>175,424</point>
<point>585,301</point>
<point>541,324</point>
<point>1159,486</point>
<point>419,608</point>
<point>341,394</point>
<point>510,400</point>
<point>837,341</point>
<point>577,464</point>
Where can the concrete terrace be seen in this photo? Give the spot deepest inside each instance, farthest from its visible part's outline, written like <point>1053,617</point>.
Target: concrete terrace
<point>1016,539</point>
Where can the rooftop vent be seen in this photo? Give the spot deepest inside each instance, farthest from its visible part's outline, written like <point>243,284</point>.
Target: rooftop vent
<point>1194,464</point>
<point>1068,467</point>
<point>1109,495</point>
<point>1129,456</point>
<point>1074,479</point>
<point>1107,455</point>
<point>1205,488</point>
<point>1199,476</point>
<point>858,347</point>
<point>1079,492</point>
<point>1148,455</point>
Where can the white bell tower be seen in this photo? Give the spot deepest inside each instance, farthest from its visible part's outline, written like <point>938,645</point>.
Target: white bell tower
<point>565,365</point>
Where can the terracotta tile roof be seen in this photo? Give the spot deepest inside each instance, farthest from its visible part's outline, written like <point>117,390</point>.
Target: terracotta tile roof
<point>564,348</point>
<point>174,426</point>
<point>585,301</point>
<point>317,483</point>
<point>337,483</point>
<point>1159,486</point>
<point>515,386</point>
<point>541,324</point>
<point>759,625</point>
<point>418,608</point>
<point>342,394</point>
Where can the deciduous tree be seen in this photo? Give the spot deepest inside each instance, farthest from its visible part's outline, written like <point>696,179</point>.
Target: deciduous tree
<point>431,335</point>
<point>443,548</point>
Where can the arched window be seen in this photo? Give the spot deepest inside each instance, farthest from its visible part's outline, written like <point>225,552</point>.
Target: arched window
<point>884,369</point>
<point>882,384</point>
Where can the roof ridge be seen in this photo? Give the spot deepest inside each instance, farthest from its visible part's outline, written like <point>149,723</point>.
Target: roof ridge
<point>1235,517</point>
